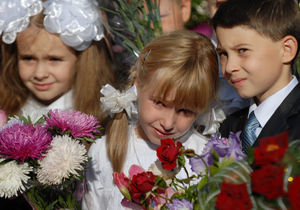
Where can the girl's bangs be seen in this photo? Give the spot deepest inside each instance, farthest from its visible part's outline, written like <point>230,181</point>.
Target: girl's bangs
<point>188,94</point>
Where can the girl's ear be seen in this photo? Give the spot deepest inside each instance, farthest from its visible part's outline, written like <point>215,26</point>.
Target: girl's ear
<point>186,6</point>
<point>290,46</point>
<point>136,82</point>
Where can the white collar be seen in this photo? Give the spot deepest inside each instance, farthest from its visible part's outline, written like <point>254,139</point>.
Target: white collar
<point>266,109</point>
<point>64,102</point>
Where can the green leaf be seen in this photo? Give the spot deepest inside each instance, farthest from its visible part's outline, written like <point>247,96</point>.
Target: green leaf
<point>159,181</point>
<point>214,170</point>
<point>181,161</point>
<point>215,155</point>
<point>202,183</point>
<point>226,162</point>
<point>251,155</point>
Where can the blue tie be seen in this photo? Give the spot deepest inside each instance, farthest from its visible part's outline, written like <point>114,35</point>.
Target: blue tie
<point>249,136</point>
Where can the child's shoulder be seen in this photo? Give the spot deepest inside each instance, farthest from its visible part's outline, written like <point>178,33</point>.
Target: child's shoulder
<point>195,141</point>
<point>98,148</point>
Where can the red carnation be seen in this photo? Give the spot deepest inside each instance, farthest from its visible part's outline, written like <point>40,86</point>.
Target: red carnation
<point>233,196</point>
<point>268,181</point>
<point>168,153</point>
<point>294,193</point>
<point>271,149</point>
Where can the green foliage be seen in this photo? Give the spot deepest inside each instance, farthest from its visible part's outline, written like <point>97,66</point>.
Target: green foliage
<point>199,13</point>
<point>51,198</point>
<point>141,23</point>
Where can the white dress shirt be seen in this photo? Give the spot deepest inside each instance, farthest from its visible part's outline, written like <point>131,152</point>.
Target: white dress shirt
<point>266,109</point>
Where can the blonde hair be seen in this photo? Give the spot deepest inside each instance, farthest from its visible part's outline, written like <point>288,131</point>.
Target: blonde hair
<point>93,69</point>
<point>183,61</point>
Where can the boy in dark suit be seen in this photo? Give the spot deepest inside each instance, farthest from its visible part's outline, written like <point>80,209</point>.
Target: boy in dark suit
<point>258,47</point>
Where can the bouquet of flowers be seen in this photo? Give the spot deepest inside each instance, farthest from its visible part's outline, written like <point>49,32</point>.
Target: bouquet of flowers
<point>159,188</point>
<point>269,178</point>
<point>42,157</point>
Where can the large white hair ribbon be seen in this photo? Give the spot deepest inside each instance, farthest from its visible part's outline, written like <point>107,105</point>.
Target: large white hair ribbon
<point>115,101</point>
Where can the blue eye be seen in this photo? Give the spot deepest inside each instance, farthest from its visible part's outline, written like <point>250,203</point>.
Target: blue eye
<point>158,102</point>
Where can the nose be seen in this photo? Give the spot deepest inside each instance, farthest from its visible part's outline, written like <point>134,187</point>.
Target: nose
<point>168,119</point>
<point>41,72</point>
<point>230,66</point>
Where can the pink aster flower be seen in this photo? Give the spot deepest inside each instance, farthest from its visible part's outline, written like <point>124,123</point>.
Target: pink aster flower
<point>76,123</point>
<point>20,141</point>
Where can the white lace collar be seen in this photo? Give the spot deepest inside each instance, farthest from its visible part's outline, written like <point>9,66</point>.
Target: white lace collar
<point>64,102</point>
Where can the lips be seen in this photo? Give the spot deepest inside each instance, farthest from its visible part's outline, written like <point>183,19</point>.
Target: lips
<point>162,134</point>
<point>238,81</point>
<point>43,87</point>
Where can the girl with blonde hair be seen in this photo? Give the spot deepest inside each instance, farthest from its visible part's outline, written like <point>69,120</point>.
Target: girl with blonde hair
<point>176,79</point>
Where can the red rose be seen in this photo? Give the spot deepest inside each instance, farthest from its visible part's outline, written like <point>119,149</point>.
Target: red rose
<point>271,149</point>
<point>294,193</point>
<point>141,184</point>
<point>268,181</point>
<point>168,153</point>
<point>233,196</point>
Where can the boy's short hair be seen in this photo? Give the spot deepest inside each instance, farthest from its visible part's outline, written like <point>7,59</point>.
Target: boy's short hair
<point>271,18</point>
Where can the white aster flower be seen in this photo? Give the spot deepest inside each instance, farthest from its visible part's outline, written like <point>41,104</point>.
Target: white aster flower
<point>64,159</point>
<point>12,177</point>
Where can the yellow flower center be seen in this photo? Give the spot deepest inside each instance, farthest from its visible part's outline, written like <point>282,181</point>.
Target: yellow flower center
<point>272,147</point>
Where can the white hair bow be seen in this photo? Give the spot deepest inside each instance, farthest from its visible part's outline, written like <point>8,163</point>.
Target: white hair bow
<point>78,22</point>
<point>211,120</point>
<point>116,102</point>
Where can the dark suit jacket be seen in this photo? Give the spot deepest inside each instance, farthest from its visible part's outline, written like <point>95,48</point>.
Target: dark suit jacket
<point>286,117</point>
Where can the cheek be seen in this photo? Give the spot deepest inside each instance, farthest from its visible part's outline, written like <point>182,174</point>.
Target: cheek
<point>184,123</point>
<point>63,74</point>
<point>167,24</point>
<point>25,72</point>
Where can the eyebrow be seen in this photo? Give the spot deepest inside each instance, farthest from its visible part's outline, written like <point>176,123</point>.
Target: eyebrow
<point>234,47</point>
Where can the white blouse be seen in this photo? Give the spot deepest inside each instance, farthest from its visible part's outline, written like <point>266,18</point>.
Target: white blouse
<point>101,193</point>
<point>64,102</point>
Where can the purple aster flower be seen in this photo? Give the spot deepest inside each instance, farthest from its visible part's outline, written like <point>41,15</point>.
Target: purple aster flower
<point>78,124</point>
<point>180,204</point>
<point>24,141</point>
<point>231,147</point>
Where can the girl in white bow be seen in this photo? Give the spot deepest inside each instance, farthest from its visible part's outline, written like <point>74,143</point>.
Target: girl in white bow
<point>176,79</point>
<point>54,56</point>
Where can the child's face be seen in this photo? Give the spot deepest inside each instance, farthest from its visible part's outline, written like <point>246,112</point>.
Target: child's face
<point>160,120</point>
<point>251,63</point>
<point>45,64</point>
<point>173,15</point>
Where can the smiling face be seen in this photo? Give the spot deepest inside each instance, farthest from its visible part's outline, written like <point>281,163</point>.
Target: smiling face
<point>251,63</point>
<point>45,64</point>
<point>161,119</point>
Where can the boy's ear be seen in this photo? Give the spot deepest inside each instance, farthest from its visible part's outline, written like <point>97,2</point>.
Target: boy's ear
<point>186,6</point>
<point>290,45</point>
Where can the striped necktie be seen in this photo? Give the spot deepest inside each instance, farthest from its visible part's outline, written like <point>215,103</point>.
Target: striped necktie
<point>249,136</point>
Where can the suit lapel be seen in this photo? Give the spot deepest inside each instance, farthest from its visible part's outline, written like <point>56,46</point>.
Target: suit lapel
<point>279,122</point>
